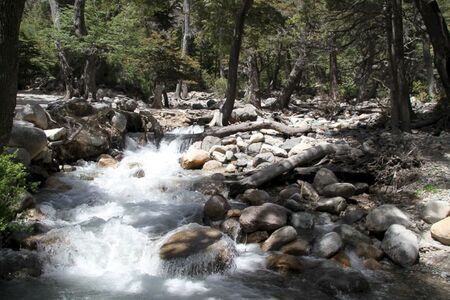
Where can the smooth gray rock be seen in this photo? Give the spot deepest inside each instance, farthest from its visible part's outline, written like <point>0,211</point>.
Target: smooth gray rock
<point>382,217</point>
<point>328,245</point>
<point>345,190</point>
<point>246,113</point>
<point>434,211</point>
<point>279,238</point>
<point>216,208</point>
<point>210,141</point>
<point>323,178</point>
<point>254,149</point>
<point>302,220</point>
<point>255,197</point>
<point>331,205</point>
<point>266,217</point>
<point>401,245</point>
<point>32,139</point>
<point>352,236</point>
<point>119,121</point>
<point>262,158</point>
<point>35,114</point>
<point>56,134</point>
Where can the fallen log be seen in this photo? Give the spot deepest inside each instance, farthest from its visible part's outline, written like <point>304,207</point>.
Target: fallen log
<point>254,126</point>
<point>267,174</point>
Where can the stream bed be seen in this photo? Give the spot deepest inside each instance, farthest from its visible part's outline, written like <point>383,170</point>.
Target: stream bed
<point>106,231</point>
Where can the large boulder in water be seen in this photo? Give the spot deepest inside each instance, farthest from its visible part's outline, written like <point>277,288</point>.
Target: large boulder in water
<point>197,250</point>
<point>216,208</point>
<point>32,139</point>
<point>266,217</point>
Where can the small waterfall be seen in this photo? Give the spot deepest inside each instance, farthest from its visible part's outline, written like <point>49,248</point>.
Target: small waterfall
<point>184,137</point>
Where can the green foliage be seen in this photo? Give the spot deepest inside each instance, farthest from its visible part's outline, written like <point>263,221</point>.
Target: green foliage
<point>419,89</point>
<point>429,188</point>
<point>13,182</point>
<point>220,87</point>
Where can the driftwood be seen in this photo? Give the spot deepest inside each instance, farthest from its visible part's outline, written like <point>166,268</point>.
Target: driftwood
<point>267,174</point>
<point>253,126</point>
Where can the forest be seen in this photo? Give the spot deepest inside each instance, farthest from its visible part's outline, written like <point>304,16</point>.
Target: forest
<point>223,149</point>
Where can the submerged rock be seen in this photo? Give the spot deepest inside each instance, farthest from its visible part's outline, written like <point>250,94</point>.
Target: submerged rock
<point>284,263</point>
<point>298,247</point>
<point>338,281</point>
<point>197,250</point>
<point>328,245</point>
<point>401,245</point>
<point>107,161</point>
<point>19,264</point>
<point>216,208</point>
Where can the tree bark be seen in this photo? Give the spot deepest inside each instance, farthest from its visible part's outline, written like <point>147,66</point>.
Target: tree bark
<point>10,17</point>
<point>334,89</point>
<point>440,39</point>
<point>158,96</point>
<point>233,64</point>
<point>253,126</point>
<point>66,70</point>
<point>292,82</point>
<point>181,91</point>
<point>400,104</point>
<point>253,81</point>
<point>89,86</point>
<point>428,62</point>
<point>267,174</point>
<point>165,97</point>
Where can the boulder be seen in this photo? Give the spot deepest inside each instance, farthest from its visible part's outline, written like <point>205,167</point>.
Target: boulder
<point>302,220</point>
<point>32,139</point>
<point>266,217</point>
<point>345,190</point>
<point>289,191</point>
<point>328,245</point>
<point>90,142</point>
<point>194,159</point>
<point>284,263</point>
<point>298,247</point>
<point>21,155</point>
<point>255,197</point>
<point>119,121</point>
<point>279,238</point>
<point>212,165</point>
<point>197,250</point>
<point>19,264</point>
<point>368,251</point>
<point>440,231</point>
<point>308,191</point>
<point>401,245</point>
<point>291,143</point>
<point>323,178</point>
<point>331,205</point>
<point>244,114</point>
<point>219,156</point>
<point>35,114</point>
<point>216,208</point>
<point>254,149</point>
<point>266,157</point>
<point>56,134</point>
<point>435,211</point>
<point>56,184</point>
<point>382,217</point>
<point>351,236</point>
<point>79,107</point>
<point>128,105</point>
<point>299,148</point>
<point>257,237</point>
<point>233,229</point>
<point>210,141</point>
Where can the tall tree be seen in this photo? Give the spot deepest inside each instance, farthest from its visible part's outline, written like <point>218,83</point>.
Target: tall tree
<point>400,113</point>
<point>66,70</point>
<point>334,89</point>
<point>293,79</point>
<point>182,89</point>
<point>440,39</point>
<point>253,79</point>
<point>89,87</point>
<point>10,17</point>
<point>233,64</point>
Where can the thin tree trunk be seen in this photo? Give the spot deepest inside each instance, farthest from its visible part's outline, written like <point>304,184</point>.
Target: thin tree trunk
<point>400,113</point>
<point>428,61</point>
<point>88,88</point>
<point>66,70</point>
<point>334,89</point>
<point>363,91</point>
<point>253,80</point>
<point>10,17</point>
<point>440,39</point>
<point>182,89</point>
<point>165,97</point>
<point>292,82</point>
<point>228,106</point>
<point>158,96</point>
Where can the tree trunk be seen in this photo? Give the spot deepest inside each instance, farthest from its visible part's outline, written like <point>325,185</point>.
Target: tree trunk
<point>66,70</point>
<point>10,17</point>
<point>428,62</point>
<point>233,64</point>
<point>440,39</point>
<point>253,80</point>
<point>364,92</point>
<point>182,89</point>
<point>334,89</point>
<point>400,113</point>
<point>89,87</point>
<point>165,97</point>
<point>292,82</point>
<point>158,96</point>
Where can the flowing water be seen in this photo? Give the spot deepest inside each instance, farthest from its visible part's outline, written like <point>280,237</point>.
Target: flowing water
<point>106,232</point>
